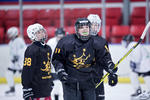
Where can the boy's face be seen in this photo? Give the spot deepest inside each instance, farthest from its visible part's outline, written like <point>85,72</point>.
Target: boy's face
<point>83,30</point>
<point>95,27</point>
<point>41,34</point>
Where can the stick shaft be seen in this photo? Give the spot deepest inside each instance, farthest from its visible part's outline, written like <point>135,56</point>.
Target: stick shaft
<point>116,65</point>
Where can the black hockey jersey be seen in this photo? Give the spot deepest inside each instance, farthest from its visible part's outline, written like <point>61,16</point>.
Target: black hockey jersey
<point>37,69</point>
<point>78,58</point>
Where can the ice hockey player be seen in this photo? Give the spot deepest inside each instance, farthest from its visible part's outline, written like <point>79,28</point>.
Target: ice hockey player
<point>112,78</point>
<point>57,89</point>
<point>36,75</point>
<point>74,59</point>
<point>140,66</point>
<point>17,47</point>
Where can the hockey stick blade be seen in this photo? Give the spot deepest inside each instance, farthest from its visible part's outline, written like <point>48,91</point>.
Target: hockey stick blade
<point>116,65</point>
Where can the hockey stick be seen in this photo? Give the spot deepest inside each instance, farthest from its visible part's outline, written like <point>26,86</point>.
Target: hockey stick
<point>140,40</point>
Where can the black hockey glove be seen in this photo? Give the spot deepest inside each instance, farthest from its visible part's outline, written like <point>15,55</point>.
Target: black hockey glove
<point>111,68</point>
<point>112,79</point>
<point>15,59</point>
<point>28,94</point>
<point>63,76</point>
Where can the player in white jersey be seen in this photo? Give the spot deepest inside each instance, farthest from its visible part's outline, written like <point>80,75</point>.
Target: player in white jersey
<point>17,47</point>
<point>57,89</point>
<point>140,66</point>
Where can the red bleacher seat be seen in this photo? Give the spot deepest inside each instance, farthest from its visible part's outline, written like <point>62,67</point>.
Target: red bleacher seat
<point>12,18</point>
<point>50,31</point>
<point>67,17</point>
<point>138,16</point>
<point>47,19</point>
<point>56,14</point>
<point>136,31</point>
<point>95,11</point>
<point>118,31</point>
<point>2,15</point>
<point>10,23</point>
<point>30,14</point>
<point>12,14</point>
<point>28,22</point>
<point>79,12</point>
<point>26,38</point>
<point>1,35</point>
<point>113,16</point>
<point>46,13</point>
<point>46,22</point>
<point>70,30</point>
<point>107,30</point>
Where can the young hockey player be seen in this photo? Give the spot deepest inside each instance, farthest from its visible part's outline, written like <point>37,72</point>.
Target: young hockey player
<point>36,75</point>
<point>75,58</point>
<point>57,89</point>
<point>17,47</point>
<point>112,78</point>
<point>140,66</point>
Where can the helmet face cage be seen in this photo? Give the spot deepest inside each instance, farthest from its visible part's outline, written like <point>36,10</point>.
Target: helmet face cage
<point>95,23</point>
<point>79,24</point>
<point>36,32</point>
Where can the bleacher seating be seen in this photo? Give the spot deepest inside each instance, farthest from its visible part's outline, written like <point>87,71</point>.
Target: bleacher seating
<point>70,29</point>
<point>47,17</point>
<point>2,15</point>
<point>1,35</point>
<point>108,33</point>
<point>50,31</point>
<point>11,18</point>
<point>136,31</point>
<point>118,31</point>
<point>138,16</point>
<point>29,16</point>
<point>50,18</point>
<point>113,16</point>
<point>26,38</point>
<point>95,11</point>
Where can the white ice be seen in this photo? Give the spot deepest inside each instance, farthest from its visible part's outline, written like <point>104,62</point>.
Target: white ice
<point>119,92</point>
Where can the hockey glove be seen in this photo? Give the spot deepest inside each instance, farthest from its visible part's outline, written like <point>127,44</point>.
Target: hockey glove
<point>111,68</point>
<point>112,79</point>
<point>63,76</point>
<point>15,59</point>
<point>28,94</point>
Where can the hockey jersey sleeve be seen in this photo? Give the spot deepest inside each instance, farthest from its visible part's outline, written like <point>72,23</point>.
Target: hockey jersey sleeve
<point>28,67</point>
<point>58,58</point>
<point>103,56</point>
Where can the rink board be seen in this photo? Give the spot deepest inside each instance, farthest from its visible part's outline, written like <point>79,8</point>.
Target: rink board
<point>116,50</point>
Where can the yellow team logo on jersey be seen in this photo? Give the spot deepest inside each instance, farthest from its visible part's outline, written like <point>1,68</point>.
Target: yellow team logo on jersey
<point>79,62</point>
<point>47,68</point>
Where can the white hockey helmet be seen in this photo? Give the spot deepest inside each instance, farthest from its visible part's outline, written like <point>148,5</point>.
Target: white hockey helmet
<point>95,23</point>
<point>33,29</point>
<point>12,32</point>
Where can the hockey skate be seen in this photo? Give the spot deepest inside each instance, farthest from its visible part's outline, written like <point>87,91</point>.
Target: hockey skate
<point>135,96</point>
<point>10,92</point>
<point>144,96</point>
